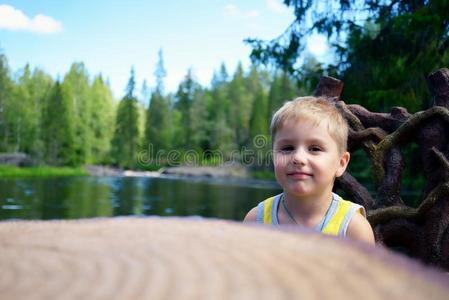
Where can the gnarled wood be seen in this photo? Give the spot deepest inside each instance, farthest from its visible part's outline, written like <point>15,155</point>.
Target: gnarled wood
<point>329,87</point>
<point>421,232</point>
<point>438,83</point>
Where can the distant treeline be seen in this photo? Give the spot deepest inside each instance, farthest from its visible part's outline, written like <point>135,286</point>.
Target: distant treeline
<point>76,121</point>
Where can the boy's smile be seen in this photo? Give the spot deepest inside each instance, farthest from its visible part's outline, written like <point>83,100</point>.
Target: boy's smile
<point>299,175</point>
<point>306,159</point>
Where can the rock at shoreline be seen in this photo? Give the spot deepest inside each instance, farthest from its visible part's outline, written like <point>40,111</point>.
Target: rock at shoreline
<point>103,171</point>
<point>213,172</point>
<point>183,171</point>
<point>16,159</point>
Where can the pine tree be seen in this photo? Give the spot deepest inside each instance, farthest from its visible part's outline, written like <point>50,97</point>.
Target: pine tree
<point>126,136</point>
<point>77,90</point>
<point>185,97</point>
<point>5,101</point>
<point>158,129</point>
<point>199,121</point>
<point>158,125</point>
<point>258,124</point>
<point>58,132</point>
<point>282,89</point>
<point>221,135</point>
<point>240,108</point>
<point>101,120</point>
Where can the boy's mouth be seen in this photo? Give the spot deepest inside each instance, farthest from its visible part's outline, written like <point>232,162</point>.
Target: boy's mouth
<point>299,175</point>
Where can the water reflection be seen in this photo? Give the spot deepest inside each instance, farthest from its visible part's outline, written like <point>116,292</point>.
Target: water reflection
<point>86,197</point>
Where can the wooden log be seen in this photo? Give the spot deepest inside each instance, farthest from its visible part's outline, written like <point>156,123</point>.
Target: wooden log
<point>438,83</point>
<point>185,258</point>
<point>329,87</point>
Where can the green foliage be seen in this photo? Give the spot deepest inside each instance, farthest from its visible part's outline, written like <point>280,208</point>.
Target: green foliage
<point>263,174</point>
<point>383,49</point>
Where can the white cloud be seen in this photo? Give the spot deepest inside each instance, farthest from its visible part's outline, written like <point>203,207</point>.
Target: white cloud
<point>252,14</point>
<point>275,6</point>
<point>231,10</point>
<point>234,11</point>
<point>14,19</point>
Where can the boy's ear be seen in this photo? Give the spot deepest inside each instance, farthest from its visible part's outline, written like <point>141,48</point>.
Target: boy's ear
<point>343,163</point>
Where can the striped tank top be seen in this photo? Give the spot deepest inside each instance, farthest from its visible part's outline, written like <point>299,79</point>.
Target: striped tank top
<point>335,222</point>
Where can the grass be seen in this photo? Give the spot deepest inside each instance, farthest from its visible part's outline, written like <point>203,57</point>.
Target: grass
<point>263,174</point>
<point>40,171</point>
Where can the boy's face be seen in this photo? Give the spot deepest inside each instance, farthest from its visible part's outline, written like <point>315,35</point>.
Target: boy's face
<point>306,159</point>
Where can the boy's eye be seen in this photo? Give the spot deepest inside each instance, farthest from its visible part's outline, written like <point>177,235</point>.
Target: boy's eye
<point>315,148</point>
<point>287,148</point>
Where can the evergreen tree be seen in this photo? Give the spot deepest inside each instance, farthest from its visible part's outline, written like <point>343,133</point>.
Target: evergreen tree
<point>282,89</point>
<point>158,130</point>
<point>160,73</point>
<point>200,123</point>
<point>58,132</point>
<point>221,135</point>
<point>5,101</point>
<point>258,124</point>
<point>77,90</point>
<point>26,117</point>
<point>158,125</point>
<point>126,136</point>
<point>101,120</point>
<point>240,108</point>
<point>185,97</point>
<point>145,91</point>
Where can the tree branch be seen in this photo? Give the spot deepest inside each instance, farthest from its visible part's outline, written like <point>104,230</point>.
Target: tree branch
<point>403,134</point>
<point>357,192</point>
<point>373,135</point>
<point>438,83</point>
<point>385,214</point>
<point>329,87</point>
<point>388,122</point>
<point>443,161</point>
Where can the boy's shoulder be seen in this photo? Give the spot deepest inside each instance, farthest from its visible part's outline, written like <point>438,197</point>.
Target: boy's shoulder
<point>360,229</point>
<point>251,216</point>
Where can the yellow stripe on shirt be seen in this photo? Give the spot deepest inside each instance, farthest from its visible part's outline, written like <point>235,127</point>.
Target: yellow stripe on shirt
<point>333,226</point>
<point>268,206</point>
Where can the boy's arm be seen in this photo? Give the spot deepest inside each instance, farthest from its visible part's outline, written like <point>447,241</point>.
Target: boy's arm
<point>360,229</point>
<point>251,215</point>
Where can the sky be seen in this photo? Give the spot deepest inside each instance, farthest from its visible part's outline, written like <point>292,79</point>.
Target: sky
<point>111,37</point>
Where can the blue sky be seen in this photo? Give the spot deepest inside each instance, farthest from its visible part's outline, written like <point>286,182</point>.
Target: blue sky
<point>112,36</point>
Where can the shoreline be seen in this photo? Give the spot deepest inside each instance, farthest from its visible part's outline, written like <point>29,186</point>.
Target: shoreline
<point>219,173</point>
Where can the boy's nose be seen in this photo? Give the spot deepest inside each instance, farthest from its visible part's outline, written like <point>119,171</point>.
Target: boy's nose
<point>299,157</point>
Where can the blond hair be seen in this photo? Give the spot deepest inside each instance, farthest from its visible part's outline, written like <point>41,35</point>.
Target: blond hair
<point>316,109</point>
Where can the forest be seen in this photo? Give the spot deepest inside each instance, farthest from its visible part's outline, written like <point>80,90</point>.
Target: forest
<point>76,121</point>
<point>383,58</point>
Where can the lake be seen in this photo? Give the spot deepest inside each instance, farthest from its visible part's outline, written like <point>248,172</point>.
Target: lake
<point>87,197</point>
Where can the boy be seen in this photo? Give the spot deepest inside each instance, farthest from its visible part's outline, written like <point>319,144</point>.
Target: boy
<point>309,139</point>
